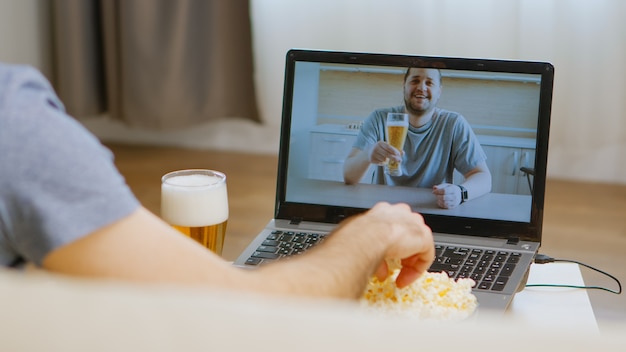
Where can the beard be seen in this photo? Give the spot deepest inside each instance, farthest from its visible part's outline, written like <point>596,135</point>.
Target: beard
<point>418,109</point>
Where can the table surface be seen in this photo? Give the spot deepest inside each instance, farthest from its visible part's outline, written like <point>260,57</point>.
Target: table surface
<point>490,206</point>
<point>550,307</point>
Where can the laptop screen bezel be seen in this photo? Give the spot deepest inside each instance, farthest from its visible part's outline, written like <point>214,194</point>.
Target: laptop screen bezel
<point>528,231</point>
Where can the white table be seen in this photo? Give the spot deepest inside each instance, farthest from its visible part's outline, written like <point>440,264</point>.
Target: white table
<point>550,307</point>
<point>553,308</point>
<point>513,207</point>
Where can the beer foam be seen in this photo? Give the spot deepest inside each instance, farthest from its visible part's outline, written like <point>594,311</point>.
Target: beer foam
<point>194,200</point>
<point>197,180</point>
<point>398,123</point>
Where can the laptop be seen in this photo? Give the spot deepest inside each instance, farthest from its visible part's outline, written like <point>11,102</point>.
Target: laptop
<point>327,96</point>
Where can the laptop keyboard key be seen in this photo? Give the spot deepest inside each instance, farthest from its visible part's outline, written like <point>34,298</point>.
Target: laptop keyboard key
<point>514,257</point>
<point>274,235</point>
<point>299,239</point>
<point>484,286</point>
<point>454,261</point>
<point>265,255</point>
<point>476,277</point>
<point>507,269</point>
<point>284,251</point>
<point>253,261</point>
<point>270,243</point>
<point>285,238</point>
<point>268,249</point>
<point>499,284</point>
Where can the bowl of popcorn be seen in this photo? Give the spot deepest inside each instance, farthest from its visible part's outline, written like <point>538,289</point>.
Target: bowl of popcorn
<point>434,296</point>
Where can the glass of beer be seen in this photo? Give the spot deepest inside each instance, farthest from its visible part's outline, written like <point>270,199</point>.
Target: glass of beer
<point>195,202</point>
<point>397,128</point>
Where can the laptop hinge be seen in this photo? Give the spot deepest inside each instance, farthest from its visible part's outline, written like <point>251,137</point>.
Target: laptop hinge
<point>513,240</point>
<point>295,221</point>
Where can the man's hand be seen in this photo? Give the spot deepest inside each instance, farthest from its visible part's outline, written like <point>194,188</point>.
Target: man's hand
<point>448,195</point>
<point>381,151</point>
<point>410,241</point>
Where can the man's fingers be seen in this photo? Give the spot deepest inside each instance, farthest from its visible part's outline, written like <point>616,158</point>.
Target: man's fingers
<point>383,271</point>
<point>383,151</point>
<point>407,276</point>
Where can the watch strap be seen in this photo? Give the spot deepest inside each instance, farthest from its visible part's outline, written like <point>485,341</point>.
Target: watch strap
<point>463,193</point>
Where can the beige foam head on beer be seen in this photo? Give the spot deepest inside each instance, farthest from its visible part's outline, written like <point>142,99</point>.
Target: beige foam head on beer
<point>194,200</point>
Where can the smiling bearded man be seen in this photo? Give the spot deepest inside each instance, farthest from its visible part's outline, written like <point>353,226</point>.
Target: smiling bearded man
<point>437,143</point>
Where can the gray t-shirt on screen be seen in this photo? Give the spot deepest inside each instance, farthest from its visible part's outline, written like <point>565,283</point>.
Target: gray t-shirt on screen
<point>431,152</point>
<point>57,182</point>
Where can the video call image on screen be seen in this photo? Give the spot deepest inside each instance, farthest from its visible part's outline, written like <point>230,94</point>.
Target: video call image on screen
<point>330,102</point>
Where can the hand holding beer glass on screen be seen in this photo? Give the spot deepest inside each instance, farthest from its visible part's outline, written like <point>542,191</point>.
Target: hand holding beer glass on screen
<point>397,129</point>
<point>195,202</point>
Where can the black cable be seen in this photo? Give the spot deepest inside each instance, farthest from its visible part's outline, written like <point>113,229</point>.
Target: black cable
<point>543,259</point>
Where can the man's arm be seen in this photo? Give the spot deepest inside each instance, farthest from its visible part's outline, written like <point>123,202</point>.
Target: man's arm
<point>355,166</point>
<point>477,182</point>
<point>143,248</point>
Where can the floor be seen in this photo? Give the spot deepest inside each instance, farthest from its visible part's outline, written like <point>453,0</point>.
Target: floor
<point>585,222</point>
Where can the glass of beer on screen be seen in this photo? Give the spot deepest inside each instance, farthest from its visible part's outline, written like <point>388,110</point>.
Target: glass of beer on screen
<point>195,202</point>
<point>397,128</point>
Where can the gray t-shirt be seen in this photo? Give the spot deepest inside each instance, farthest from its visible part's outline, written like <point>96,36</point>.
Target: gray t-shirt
<point>431,152</point>
<point>57,182</point>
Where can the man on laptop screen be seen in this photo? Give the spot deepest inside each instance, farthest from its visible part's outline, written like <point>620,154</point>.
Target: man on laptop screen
<point>437,143</point>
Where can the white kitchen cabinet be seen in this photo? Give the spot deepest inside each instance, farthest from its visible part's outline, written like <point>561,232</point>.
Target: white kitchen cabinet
<point>330,145</point>
<point>328,153</point>
<point>505,157</point>
<point>504,163</point>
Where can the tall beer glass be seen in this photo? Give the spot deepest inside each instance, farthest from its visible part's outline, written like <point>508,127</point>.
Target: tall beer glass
<point>195,202</point>
<point>397,128</point>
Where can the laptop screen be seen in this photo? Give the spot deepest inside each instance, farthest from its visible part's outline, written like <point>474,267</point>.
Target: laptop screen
<point>494,112</point>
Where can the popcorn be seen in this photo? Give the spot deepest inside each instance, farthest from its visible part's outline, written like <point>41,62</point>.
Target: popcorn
<point>433,296</point>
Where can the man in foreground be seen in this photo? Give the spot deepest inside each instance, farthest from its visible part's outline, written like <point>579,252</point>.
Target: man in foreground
<point>65,208</point>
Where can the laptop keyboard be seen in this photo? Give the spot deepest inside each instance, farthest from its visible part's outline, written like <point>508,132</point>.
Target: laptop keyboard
<point>490,269</point>
<point>281,244</point>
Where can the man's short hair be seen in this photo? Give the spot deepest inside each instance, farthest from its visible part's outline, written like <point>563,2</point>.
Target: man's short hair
<point>406,74</point>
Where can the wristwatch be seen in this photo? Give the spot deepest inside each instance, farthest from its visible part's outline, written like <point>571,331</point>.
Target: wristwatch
<point>463,194</point>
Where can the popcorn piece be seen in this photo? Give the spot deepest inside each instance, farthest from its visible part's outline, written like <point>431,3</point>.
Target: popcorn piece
<point>432,296</point>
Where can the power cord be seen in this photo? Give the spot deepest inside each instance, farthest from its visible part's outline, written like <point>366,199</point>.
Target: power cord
<point>543,259</point>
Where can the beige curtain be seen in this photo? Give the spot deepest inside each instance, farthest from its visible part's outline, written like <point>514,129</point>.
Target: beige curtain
<point>157,64</point>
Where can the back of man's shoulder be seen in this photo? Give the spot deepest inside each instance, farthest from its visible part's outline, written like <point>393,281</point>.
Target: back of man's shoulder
<point>22,85</point>
<point>14,78</point>
<point>16,74</point>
